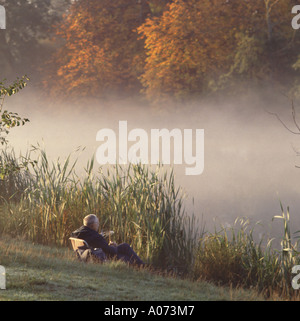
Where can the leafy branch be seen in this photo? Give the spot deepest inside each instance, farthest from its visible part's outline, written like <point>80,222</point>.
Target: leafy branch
<point>9,119</point>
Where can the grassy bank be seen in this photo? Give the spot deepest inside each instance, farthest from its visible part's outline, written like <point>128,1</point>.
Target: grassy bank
<point>142,206</point>
<point>145,209</point>
<point>37,272</point>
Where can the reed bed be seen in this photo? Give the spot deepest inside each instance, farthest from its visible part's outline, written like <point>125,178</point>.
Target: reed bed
<point>142,206</point>
<point>231,256</point>
<point>46,202</point>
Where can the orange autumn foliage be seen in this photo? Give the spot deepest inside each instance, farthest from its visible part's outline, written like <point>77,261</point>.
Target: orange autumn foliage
<point>194,42</point>
<point>100,52</point>
<point>190,40</point>
<point>183,48</point>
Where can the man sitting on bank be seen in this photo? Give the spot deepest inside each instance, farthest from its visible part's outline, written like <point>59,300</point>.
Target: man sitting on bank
<point>89,233</point>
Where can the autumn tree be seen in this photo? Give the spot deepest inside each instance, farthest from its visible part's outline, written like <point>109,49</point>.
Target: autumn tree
<point>172,48</point>
<point>100,53</point>
<point>196,46</point>
<point>191,40</point>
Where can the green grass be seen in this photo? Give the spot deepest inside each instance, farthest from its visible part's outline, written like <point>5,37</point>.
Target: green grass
<point>145,209</point>
<point>37,272</point>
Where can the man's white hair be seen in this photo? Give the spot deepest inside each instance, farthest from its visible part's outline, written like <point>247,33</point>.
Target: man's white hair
<point>90,219</point>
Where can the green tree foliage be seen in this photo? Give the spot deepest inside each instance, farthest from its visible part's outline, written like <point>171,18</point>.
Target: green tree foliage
<point>26,39</point>
<point>9,120</point>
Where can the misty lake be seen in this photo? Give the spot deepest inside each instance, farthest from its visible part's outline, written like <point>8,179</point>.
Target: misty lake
<point>249,157</point>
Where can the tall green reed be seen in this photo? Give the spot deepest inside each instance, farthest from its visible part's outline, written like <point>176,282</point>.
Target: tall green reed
<point>145,209</point>
<point>140,204</point>
<point>233,256</point>
<point>13,179</point>
<point>289,254</point>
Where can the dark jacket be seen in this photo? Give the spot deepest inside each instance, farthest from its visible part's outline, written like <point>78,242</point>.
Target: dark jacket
<point>94,240</point>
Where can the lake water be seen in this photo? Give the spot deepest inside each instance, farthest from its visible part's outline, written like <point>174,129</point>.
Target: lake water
<point>249,157</point>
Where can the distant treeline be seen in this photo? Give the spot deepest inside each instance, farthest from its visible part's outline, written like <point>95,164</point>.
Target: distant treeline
<point>157,48</point>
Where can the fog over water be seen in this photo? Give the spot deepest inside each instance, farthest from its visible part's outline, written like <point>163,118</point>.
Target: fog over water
<point>249,156</point>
